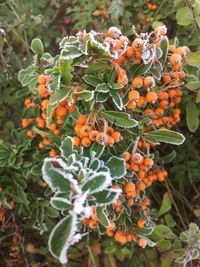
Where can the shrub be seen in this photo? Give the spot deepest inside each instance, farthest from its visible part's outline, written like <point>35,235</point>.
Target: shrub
<point>101,108</point>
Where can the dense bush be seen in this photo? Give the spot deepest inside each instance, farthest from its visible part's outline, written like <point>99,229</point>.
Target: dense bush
<point>99,109</point>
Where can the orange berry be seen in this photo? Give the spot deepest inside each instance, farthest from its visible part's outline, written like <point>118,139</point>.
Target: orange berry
<point>149,82</point>
<point>137,44</point>
<point>85,131</point>
<point>86,142</point>
<point>77,128</point>
<point>137,158</point>
<point>53,127</point>
<point>151,97</point>
<point>42,79</point>
<point>130,189</point>
<point>42,90</point>
<point>175,59</point>
<point>82,119</point>
<point>129,52</point>
<point>141,223</point>
<point>109,131</point>
<point>71,108</point>
<point>148,162</point>
<point>30,134</point>
<point>93,135</point>
<point>56,132</point>
<point>117,137</point>
<point>61,111</point>
<point>131,105</point>
<point>133,95</point>
<point>166,78</point>
<point>141,174</point>
<point>141,186</point>
<point>76,141</point>
<point>134,167</point>
<point>126,156</point>
<point>141,102</point>
<point>45,104</point>
<point>52,153</point>
<point>110,140</point>
<point>142,243</point>
<point>40,122</point>
<point>102,138</point>
<point>137,82</point>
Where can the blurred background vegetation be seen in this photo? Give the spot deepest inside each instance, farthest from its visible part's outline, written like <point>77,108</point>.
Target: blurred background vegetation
<point>24,205</point>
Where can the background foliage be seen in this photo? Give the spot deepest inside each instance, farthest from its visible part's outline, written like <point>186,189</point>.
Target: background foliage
<point>23,195</point>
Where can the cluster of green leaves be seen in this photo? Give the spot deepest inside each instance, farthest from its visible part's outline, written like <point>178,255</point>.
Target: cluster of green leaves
<point>78,183</point>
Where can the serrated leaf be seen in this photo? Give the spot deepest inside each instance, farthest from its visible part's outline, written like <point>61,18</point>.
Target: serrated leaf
<point>121,119</point>
<point>117,167</point>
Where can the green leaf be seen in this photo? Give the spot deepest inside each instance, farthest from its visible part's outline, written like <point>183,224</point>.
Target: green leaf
<point>54,101</point>
<point>101,97</point>
<point>59,240</point>
<point>102,88</point>
<point>116,99</point>
<point>169,220</point>
<point>50,212</point>
<point>103,219</point>
<point>60,202</point>
<point>85,95</point>
<point>66,147</point>
<point>121,119</point>
<point>65,68</point>
<point>53,178</point>
<point>194,85</point>
<point>169,158</point>
<point>141,69</point>
<point>163,231</point>
<point>166,205</point>
<point>193,59</point>
<point>198,97</point>
<point>117,86</point>
<point>164,45</point>
<point>98,67</point>
<point>184,16</point>
<point>192,117</point>
<point>98,149</point>
<point>117,167</point>
<point>166,136</point>
<point>163,245</point>
<point>92,80</point>
<point>97,182</point>
<point>21,195</point>
<point>37,46</point>
<point>107,197</point>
